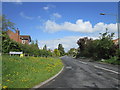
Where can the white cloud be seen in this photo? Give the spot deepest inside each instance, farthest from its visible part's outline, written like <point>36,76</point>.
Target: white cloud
<point>18,2</point>
<point>25,16</point>
<point>46,8</point>
<point>78,26</point>
<point>57,15</point>
<point>112,27</point>
<point>12,0</point>
<point>67,42</point>
<point>52,26</point>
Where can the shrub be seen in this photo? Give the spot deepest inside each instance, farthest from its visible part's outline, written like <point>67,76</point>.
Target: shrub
<point>112,60</point>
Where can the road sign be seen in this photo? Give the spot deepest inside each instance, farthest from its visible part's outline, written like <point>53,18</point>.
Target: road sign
<point>15,52</point>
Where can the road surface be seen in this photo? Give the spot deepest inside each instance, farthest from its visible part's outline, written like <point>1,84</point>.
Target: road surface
<point>84,74</point>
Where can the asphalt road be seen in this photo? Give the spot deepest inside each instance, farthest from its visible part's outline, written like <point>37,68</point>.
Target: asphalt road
<point>84,74</point>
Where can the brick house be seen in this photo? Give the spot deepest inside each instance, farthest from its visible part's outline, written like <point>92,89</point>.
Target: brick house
<point>115,41</point>
<point>24,39</point>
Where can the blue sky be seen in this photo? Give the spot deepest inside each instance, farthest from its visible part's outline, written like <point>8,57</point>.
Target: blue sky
<point>61,22</point>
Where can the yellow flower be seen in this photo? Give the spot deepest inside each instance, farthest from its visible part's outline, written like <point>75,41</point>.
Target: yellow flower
<point>8,80</point>
<point>5,87</point>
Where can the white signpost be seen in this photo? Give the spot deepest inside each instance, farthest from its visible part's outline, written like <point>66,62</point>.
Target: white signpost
<point>15,52</point>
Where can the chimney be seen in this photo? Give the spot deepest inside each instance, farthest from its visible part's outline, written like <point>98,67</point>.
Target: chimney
<point>17,31</point>
<point>18,34</point>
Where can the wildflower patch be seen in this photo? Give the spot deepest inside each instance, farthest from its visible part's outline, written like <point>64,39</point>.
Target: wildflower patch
<point>27,72</point>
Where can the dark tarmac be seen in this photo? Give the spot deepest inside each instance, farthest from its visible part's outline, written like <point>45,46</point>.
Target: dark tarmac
<point>84,75</point>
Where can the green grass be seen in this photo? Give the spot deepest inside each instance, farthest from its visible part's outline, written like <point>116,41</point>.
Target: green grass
<point>27,72</point>
<point>0,71</point>
<point>112,60</point>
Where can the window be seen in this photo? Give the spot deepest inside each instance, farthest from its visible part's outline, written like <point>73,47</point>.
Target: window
<point>23,41</point>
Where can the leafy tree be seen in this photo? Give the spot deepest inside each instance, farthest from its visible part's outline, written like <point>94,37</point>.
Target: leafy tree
<point>36,44</point>
<point>45,47</point>
<point>106,48</point>
<point>118,54</point>
<point>35,48</point>
<point>8,44</point>
<point>72,52</point>
<point>83,43</point>
<point>98,49</point>
<point>56,52</point>
<point>61,49</point>
<point>6,23</point>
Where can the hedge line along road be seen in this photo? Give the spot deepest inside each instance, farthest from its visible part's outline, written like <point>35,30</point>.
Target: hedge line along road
<point>84,74</point>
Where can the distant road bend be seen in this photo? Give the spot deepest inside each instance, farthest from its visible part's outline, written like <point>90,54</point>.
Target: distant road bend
<point>84,74</point>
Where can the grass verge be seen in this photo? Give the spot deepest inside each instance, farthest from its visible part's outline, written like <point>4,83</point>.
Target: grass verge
<point>27,72</point>
<point>112,60</point>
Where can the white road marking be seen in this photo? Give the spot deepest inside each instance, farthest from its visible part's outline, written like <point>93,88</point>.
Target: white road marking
<point>83,62</point>
<point>106,69</point>
<point>68,67</point>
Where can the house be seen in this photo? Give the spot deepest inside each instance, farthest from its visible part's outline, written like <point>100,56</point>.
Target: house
<point>115,41</point>
<point>24,39</point>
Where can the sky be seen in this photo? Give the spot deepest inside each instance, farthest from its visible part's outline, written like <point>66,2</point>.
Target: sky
<point>52,23</point>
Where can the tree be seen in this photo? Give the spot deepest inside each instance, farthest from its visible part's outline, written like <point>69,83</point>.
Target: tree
<point>102,48</point>
<point>8,44</point>
<point>56,52</point>
<point>36,44</point>
<point>72,52</point>
<point>61,49</point>
<point>106,48</point>
<point>6,23</point>
<point>45,47</point>
<point>83,43</point>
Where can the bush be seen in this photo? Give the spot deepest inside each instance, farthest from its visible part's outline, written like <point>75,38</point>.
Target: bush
<point>31,49</point>
<point>118,54</point>
<point>112,60</point>
<point>56,52</point>
<point>8,44</point>
<point>103,48</point>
